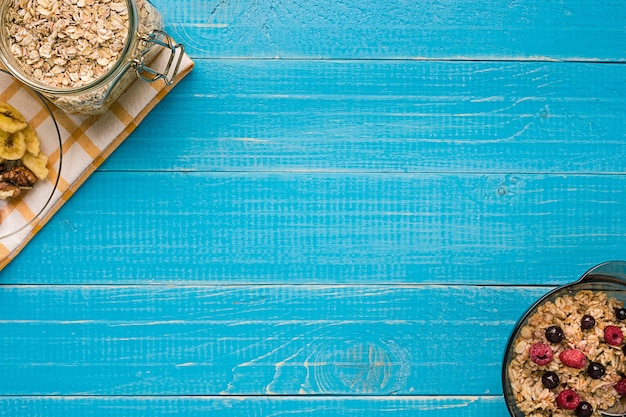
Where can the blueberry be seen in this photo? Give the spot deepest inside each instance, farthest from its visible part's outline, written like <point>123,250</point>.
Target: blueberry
<point>620,313</point>
<point>587,322</point>
<point>595,370</point>
<point>584,409</point>
<point>554,334</point>
<point>550,380</point>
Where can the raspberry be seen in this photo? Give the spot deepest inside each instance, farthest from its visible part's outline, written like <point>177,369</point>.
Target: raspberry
<point>540,354</point>
<point>568,399</point>
<point>613,335</point>
<point>620,387</point>
<point>573,358</point>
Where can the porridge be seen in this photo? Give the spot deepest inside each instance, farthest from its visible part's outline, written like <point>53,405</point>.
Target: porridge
<point>569,359</point>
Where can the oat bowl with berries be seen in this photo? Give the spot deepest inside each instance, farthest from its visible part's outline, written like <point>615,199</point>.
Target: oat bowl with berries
<point>567,354</point>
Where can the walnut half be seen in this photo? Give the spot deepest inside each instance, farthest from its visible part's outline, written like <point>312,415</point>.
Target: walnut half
<point>8,190</point>
<point>15,179</point>
<point>20,176</point>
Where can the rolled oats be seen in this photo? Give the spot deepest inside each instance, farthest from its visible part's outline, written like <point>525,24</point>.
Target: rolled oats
<point>566,312</point>
<point>64,43</point>
<point>69,44</point>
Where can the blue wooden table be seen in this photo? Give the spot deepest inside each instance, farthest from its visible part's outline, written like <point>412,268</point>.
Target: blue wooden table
<point>342,211</point>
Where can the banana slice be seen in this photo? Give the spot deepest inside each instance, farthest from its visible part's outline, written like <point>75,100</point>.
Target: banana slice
<point>11,120</point>
<point>11,112</point>
<point>14,146</point>
<point>37,164</point>
<point>32,140</point>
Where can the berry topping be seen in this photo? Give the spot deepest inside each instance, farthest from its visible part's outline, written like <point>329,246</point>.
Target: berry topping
<point>550,380</point>
<point>620,387</point>
<point>587,322</point>
<point>554,334</point>
<point>613,335</point>
<point>573,358</point>
<point>584,409</point>
<point>595,370</point>
<point>620,313</point>
<point>568,399</point>
<point>540,354</point>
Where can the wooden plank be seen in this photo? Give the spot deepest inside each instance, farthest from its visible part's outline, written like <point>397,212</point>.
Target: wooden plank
<point>328,228</point>
<point>450,29</point>
<point>256,340</point>
<point>327,406</point>
<point>386,116</point>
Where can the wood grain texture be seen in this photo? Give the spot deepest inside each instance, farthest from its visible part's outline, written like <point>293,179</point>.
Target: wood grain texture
<point>427,29</point>
<point>328,228</point>
<point>261,406</point>
<point>386,116</point>
<point>342,211</point>
<point>257,340</point>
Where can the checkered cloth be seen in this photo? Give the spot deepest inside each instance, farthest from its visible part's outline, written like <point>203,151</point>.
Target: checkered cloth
<point>86,142</point>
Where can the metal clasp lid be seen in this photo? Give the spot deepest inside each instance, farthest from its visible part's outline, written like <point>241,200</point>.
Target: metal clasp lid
<point>160,38</point>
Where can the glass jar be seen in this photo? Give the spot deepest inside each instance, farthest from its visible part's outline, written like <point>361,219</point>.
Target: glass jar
<point>87,52</point>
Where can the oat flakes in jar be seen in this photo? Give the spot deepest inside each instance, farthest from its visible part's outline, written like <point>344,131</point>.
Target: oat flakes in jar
<point>83,54</point>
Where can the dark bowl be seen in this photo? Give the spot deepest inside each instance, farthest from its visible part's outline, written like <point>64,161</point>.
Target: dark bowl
<point>609,277</point>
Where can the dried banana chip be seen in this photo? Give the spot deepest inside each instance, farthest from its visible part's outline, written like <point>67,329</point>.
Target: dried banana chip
<point>31,138</point>
<point>11,112</point>
<point>37,164</point>
<point>14,146</point>
<point>10,119</point>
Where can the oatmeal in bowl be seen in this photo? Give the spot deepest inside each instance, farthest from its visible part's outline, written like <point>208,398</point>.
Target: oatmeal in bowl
<point>567,354</point>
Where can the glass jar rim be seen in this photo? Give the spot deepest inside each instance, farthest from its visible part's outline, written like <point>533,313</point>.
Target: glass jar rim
<point>120,66</point>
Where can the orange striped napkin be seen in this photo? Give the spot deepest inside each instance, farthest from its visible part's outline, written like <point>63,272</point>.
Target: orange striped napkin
<point>86,142</point>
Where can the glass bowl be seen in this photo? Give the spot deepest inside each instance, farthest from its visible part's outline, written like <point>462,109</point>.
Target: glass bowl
<point>28,209</point>
<point>609,277</point>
